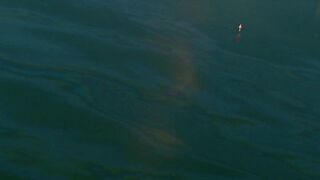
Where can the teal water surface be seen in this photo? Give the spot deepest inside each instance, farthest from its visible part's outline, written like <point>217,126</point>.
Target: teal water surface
<point>149,89</point>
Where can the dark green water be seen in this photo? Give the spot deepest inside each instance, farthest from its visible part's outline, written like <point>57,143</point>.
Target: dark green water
<point>149,89</point>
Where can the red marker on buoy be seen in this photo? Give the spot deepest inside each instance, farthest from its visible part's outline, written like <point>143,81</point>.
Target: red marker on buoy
<point>240,27</point>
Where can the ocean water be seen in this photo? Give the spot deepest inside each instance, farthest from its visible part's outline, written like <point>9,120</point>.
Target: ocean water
<point>149,89</point>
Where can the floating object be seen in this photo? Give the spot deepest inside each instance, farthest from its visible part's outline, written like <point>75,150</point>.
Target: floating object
<point>240,27</point>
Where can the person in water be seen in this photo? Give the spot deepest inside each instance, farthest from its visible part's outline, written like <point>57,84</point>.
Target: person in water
<point>238,35</point>
<point>240,27</point>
